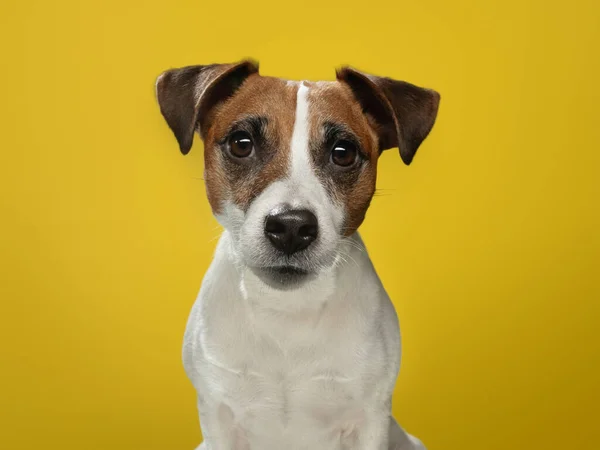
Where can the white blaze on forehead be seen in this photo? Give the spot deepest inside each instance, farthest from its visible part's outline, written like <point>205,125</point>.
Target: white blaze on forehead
<point>303,188</point>
<point>302,171</point>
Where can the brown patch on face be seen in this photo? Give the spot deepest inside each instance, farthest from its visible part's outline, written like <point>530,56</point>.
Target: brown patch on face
<point>264,108</point>
<point>335,115</point>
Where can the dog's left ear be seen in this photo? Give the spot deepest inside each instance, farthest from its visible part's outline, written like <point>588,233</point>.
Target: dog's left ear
<point>404,114</point>
<point>187,95</point>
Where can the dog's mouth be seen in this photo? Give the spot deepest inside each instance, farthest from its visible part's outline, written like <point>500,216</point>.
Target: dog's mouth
<point>287,270</point>
<point>283,277</point>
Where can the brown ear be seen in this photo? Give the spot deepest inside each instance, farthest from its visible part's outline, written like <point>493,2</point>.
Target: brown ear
<point>404,113</point>
<point>186,95</point>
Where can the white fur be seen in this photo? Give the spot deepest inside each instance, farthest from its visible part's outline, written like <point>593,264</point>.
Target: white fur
<point>301,166</point>
<point>305,368</point>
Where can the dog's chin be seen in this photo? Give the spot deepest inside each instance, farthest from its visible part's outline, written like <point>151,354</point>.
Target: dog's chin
<point>284,277</point>
<point>286,272</point>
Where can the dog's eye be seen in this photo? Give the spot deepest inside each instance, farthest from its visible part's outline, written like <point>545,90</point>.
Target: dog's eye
<point>344,153</point>
<point>240,144</point>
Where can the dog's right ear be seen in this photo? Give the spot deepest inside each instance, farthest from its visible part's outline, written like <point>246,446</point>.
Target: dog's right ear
<point>405,113</point>
<point>186,95</point>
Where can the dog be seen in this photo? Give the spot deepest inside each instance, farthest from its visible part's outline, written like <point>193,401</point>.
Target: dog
<point>293,342</point>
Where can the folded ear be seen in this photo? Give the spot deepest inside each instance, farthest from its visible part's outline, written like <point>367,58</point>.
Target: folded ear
<point>404,113</point>
<point>186,95</point>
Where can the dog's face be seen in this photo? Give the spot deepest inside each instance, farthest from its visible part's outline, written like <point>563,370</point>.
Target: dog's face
<point>290,167</point>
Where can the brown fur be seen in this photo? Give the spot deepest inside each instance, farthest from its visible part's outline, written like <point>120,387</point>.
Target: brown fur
<point>267,97</point>
<point>275,99</point>
<point>354,188</point>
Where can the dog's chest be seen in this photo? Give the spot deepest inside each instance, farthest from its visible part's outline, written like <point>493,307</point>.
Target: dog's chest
<point>286,377</point>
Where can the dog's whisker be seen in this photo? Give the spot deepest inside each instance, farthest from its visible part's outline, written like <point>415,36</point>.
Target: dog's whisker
<point>357,246</point>
<point>346,255</point>
<point>214,238</point>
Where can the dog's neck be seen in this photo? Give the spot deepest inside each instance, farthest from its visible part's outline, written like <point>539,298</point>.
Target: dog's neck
<point>340,282</point>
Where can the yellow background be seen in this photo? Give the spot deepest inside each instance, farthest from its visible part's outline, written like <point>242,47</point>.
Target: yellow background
<point>489,243</point>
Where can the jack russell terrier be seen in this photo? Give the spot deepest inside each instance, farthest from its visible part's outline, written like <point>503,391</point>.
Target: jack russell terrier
<point>293,342</point>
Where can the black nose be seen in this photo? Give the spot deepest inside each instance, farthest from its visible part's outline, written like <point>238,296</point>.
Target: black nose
<point>291,230</point>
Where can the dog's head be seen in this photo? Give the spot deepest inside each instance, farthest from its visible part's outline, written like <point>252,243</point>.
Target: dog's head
<point>290,167</point>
